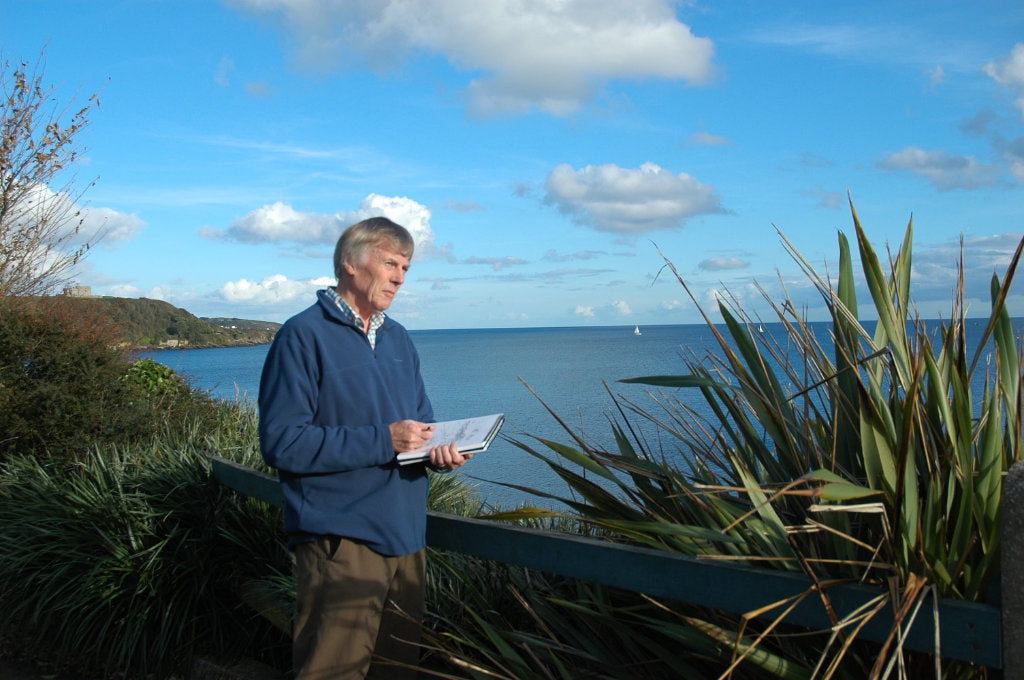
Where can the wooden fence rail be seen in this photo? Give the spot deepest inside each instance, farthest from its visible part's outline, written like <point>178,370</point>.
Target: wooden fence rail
<point>967,631</point>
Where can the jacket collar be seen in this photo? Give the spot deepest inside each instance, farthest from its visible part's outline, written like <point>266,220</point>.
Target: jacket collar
<point>335,312</point>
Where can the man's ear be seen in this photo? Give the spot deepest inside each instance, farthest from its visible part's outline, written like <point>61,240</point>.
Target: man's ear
<point>349,269</point>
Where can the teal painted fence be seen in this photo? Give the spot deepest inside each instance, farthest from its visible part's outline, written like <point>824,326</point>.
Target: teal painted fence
<point>967,631</point>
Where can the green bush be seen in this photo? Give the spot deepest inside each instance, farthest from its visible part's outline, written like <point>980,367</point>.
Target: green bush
<point>60,381</point>
<point>65,385</point>
<point>155,378</point>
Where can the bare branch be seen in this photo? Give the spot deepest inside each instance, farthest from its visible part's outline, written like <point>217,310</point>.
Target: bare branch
<point>42,236</point>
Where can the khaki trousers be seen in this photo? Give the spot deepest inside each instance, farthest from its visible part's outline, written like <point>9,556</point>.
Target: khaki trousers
<point>355,610</point>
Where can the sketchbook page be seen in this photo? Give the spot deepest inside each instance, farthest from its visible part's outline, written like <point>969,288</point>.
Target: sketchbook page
<point>471,435</point>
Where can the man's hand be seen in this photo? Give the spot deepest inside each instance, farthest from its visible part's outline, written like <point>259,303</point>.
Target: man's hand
<point>407,435</point>
<point>447,457</point>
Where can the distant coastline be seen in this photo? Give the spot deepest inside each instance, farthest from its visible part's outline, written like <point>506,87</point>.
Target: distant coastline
<point>171,346</point>
<point>143,324</point>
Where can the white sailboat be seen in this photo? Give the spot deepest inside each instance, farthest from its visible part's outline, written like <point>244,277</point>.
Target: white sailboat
<point>636,330</point>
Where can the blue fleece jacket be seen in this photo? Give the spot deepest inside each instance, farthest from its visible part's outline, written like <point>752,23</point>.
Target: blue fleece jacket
<point>326,400</point>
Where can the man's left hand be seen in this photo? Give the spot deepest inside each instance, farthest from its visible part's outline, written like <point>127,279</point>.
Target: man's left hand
<point>447,457</point>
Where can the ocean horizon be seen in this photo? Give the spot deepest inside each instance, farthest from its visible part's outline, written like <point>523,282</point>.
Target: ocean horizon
<point>521,372</point>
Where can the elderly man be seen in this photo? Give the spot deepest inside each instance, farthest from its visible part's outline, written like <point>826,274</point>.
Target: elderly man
<point>340,396</point>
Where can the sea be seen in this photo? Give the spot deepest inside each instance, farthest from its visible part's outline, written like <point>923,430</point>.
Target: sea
<point>535,376</point>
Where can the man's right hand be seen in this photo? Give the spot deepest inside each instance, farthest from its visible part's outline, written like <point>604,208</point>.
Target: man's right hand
<point>407,435</point>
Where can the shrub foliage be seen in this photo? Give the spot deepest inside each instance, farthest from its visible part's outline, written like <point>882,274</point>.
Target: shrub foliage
<point>66,387</point>
<point>61,390</point>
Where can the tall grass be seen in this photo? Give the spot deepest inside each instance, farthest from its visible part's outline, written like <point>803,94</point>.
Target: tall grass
<point>130,559</point>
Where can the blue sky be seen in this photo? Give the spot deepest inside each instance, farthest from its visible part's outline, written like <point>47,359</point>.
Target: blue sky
<point>542,153</point>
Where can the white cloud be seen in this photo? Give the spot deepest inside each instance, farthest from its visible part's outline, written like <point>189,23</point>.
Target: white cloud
<point>944,170</point>
<point>1012,152</point>
<point>836,40</point>
<point>713,295</point>
<point>549,56</point>
<point>272,290</point>
<point>259,89</point>
<point>584,310</point>
<point>708,139</point>
<point>222,76</point>
<point>611,198</point>
<point>622,307</point>
<point>935,264</point>
<point>810,160</point>
<point>880,40</point>
<point>349,155</point>
<point>554,256</point>
<point>1017,170</point>
<point>934,278</point>
<point>1010,72</point>
<point>281,223</point>
<point>116,227</point>
<point>405,211</point>
<point>123,290</point>
<point>164,293</point>
<point>723,263</point>
<point>74,223</point>
<point>831,200</point>
<point>497,263</point>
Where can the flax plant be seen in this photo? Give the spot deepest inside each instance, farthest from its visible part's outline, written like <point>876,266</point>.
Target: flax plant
<point>863,456</point>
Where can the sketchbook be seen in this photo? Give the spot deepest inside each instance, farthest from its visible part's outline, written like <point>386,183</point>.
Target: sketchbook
<point>471,435</point>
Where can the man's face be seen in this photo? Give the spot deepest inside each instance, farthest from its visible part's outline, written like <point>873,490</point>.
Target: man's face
<point>374,284</point>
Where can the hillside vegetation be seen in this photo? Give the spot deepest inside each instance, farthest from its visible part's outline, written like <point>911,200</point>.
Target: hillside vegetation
<point>142,322</point>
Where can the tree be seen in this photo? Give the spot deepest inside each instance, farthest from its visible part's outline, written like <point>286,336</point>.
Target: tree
<point>43,233</point>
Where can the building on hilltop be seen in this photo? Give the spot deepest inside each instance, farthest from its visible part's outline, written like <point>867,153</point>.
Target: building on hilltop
<point>78,291</point>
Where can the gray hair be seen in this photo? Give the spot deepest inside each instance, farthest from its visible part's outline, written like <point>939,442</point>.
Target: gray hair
<point>358,240</point>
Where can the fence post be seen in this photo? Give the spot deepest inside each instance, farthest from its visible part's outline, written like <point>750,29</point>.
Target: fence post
<point>1011,574</point>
